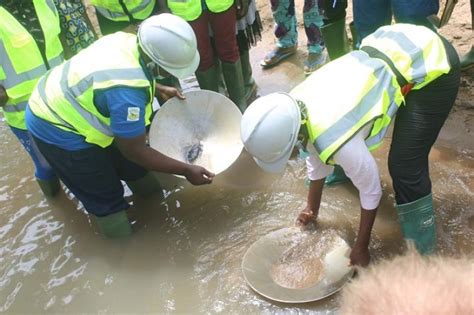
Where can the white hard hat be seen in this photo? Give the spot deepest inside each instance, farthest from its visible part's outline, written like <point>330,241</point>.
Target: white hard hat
<point>269,130</point>
<point>170,42</point>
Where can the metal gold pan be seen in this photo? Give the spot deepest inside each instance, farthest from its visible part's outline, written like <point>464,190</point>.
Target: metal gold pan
<point>203,129</point>
<point>264,253</point>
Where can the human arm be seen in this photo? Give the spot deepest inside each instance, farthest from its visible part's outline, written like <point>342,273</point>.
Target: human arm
<point>360,166</point>
<point>3,96</point>
<point>136,150</point>
<point>126,108</point>
<point>317,172</point>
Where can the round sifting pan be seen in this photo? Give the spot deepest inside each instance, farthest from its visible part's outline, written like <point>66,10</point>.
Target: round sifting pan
<point>292,266</point>
<point>203,129</point>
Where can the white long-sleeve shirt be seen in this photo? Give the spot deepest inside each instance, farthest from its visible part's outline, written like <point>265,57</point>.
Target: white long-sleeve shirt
<point>358,164</point>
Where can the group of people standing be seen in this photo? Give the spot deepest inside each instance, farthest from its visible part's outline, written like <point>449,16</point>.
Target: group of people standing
<point>81,105</point>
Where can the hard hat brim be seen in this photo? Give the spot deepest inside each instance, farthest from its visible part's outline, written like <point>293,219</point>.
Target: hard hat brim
<point>182,73</point>
<point>277,166</point>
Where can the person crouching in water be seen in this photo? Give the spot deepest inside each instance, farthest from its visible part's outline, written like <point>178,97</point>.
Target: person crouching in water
<point>403,72</point>
<point>88,117</point>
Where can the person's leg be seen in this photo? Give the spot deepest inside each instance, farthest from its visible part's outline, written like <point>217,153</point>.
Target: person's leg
<point>91,176</point>
<point>140,181</point>
<point>313,21</point>
<point>45,176</point>
<point>224,27</point>
<point>369,15</point>
<point>408,11</point>
<point>467,60</point>
<point>417,125</point>
<point>206,73</point>
<point>285,32</point>
<point>334,28</point>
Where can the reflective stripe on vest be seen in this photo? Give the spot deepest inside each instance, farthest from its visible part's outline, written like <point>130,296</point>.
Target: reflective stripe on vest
<point>192,9</point>
<point>65,96</point>
<point>139,9</point>
<point>21,60</point>
<point>417,52</point>
<point>371,92</point>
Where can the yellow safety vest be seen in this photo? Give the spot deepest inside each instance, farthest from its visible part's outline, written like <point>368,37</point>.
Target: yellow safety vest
<point>21,61</point>
<point>192,9</point>
<point>65,95</point>
<point>113,10</point>
<point>356,89</point>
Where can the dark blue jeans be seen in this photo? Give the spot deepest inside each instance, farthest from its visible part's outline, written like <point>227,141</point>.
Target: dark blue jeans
<point>417,126</point>
<point>93,175</point>
<point>369,15</point>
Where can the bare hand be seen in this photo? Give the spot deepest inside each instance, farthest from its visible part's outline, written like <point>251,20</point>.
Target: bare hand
<point>3,96</point>
<point>167,92</point>
<point>305,217</point>
<point>359,257</point>
<point>198,175</point>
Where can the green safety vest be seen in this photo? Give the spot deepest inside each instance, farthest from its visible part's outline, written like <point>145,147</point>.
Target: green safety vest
<point>21,61</point>
<point>65,95</point>
<point>113,10</point>
<point>371,92</point>
<point>192,9</point>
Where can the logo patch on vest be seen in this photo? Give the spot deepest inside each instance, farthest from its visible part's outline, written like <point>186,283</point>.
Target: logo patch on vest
<point>133,114</point>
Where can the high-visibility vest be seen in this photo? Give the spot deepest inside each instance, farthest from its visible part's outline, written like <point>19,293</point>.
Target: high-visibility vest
<point>192,9</point>
<point>65,95</point>
<point>113,9</point>
<point>355,90</point>
<point>21,62</point>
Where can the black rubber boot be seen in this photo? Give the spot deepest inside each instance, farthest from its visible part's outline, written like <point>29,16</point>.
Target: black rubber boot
<point>335,38</point>
<point>467,60</point>
<point>208,79</point>
<point>49,187</point>
<point>235,83</point>
<point>355,36</point>
<point>146,186</point>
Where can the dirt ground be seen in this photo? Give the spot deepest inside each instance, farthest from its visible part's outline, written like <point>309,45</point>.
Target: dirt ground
<point>457,132</point>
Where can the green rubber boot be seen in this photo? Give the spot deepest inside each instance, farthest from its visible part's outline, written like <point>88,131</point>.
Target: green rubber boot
<point>337,177</point>
<point>146,186</point>
<point>208,80</point>
<point>49,187</point>
<point>335,38</point>
<point>115,225</point>
<point>467,61</point>
<point>418,223</point>
<point>249,83</point>
<point>235,83</point>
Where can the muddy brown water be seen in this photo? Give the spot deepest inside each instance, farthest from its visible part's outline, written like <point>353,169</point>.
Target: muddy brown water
<point>186,251</point>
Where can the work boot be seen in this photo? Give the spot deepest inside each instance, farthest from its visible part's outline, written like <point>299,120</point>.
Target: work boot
<point>337,177</point>
<point>249,83</point>
<point>335,38</point>
<point>146,186</point>
<point>235,83</point>
<point>49,187</point>
<point>355,36</point>
<point>418,223</point>
<point>114,225</point>
<point>208,80</point>
<point>467,61</point>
